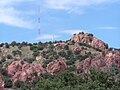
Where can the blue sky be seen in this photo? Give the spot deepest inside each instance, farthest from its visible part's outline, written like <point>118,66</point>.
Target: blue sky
<point>59,19</point>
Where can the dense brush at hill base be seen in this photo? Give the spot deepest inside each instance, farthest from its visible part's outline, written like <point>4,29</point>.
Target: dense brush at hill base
<point>81,63</point>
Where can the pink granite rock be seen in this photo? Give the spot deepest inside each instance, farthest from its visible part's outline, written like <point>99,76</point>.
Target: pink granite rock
<point>90,40</point>
<point>1,81</point>
<point>56,66</point>
<point>24,71</point>
<point>99,63</point>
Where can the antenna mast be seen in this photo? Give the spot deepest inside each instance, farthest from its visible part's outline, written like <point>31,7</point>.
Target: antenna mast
<point>39,20</point>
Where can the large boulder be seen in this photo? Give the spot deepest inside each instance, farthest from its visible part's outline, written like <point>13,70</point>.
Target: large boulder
<point>1,81</point>
<point>56,66</point>
<point>112,58</point>
<point>90,63</point>
<point>102,63</point>
<point>14,67</point>
<point>24,71</point>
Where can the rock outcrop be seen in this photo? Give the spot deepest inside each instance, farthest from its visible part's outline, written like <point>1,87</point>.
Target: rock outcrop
<point>100,62</point>
<point>89,40</point>
<point>56,66</point>
<point>24,71</point>
<point>112,58</point>
<point>1,81</point>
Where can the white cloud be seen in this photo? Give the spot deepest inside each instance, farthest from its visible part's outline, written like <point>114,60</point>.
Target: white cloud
<point>47,36</point>
<point>10,15</point>
<point>72,31</point>
<point>74,5</point>
<point>12,2</point>
<point>108,28</point>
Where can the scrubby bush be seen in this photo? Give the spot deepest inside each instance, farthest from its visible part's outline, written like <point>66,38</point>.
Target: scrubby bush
<point>40,47</point>
<point>35,53</point>
<point>9,56</point>
<point>16,52</point>
<point>7,45</point>
<point>66,47</point>
<point>13,43</point>
<point>62,53</point>
<point>3,71</point>
<point>76,52</point>
<point>8,83</point>
<point>71,61</point>
<point>3,59</point>
<point>46,62</point>
<point>33,47</point>
<point>2,44</point>
<point>19,84</point>
<point>29,60</point>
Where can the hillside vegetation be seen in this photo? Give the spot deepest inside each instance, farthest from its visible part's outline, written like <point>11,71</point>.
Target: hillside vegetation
<point>81,63</point>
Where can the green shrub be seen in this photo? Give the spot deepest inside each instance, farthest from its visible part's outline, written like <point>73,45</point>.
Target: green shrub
<point>62,53</point>
<point>66,47</point>
<point>2,44</point>
<point>35,53</point>
<point>19,84</point>
<point>3,59</point>
<point>46,62</point>
<point>40,47</point>
<point>9,56</point>
<point>76,52</point>
<point>8,83</point>
<point>70,62</point>
<point>13,43</point>
<point>33,47</point>
<point>7,45</point>
<point>16,52</point>
<point>3,71</point>
<point>29,60</point>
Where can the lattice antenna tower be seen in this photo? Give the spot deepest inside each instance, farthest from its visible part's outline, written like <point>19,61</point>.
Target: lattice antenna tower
<point>39,20</point>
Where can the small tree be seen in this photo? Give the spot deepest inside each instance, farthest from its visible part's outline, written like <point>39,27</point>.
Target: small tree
<point>33,47</point>
<point>66,47</point>
<point>35,53</point>
<point>2,44</point>
<point>76,52</point>
<point>16,52</point>
<point>29,60</point>
<point>8,83</point>
<point>62,53</point>
<point>3,59</point>
<point>4,71</point>
<point>46,62</point>
<point>9,56</point>
<point>19,84</point>
<point>40,47</point>
<point>13,43</point>
<point>7,45</point>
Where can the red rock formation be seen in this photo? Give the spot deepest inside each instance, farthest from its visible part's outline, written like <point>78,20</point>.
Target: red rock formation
<point>99,63</point>
<point>85,65</point>
<point>56,66</point>
<point>14,67</point>
<point>112,59</point>
<point>59,46</point>
<point>1,81</point>
<point>76,49</point>
<point>24,71</point>
<point>89,40</point>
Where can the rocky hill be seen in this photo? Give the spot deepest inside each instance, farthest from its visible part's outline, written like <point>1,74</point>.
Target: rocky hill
<point>89,39</point>
<point>26,62</point>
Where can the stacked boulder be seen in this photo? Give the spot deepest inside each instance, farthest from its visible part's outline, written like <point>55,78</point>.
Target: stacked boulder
<point>102,63</point>
<point>24,71</point>
<point>89,40</point>
<point>56,66</point>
